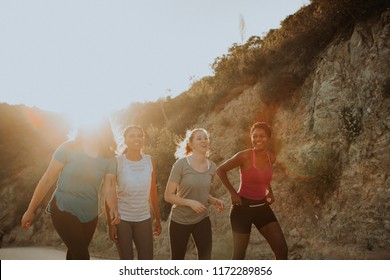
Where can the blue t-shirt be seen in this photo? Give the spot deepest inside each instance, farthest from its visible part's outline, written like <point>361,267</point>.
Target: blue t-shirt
<point>80,180</point>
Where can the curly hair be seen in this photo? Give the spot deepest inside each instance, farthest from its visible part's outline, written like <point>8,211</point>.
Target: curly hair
<point>261,125</point>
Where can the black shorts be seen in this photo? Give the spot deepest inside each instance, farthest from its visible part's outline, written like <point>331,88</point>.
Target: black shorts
<point>251,212</point>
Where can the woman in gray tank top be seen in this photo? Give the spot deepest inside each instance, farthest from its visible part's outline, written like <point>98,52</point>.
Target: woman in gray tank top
<point>188,189</point>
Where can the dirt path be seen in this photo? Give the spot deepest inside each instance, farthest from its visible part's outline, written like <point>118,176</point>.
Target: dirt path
<point>32,253</point>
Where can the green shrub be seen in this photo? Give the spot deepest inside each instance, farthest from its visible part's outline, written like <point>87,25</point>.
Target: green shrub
<point>317,166</point>
<point>161,145</point>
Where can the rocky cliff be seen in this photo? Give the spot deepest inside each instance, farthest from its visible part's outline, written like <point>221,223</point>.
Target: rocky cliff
<point>332,142</point>
<point>333,147</point>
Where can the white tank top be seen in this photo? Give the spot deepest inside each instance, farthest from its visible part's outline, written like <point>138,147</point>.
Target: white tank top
<point>134,181</point>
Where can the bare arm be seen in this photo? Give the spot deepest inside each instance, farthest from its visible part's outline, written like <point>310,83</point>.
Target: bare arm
<point>270,194</point>
<point>171,197</point>
<point>48,179</point>
<point>222,171</point>
<point>111,198</point>
<point>154,203</point>
<point>112,232</point>
<point>217,203</point>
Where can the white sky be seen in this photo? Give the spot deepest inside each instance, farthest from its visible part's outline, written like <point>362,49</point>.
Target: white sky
<point>67,55</point>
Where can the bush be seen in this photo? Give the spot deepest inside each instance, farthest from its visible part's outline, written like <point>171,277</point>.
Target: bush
<point>317,166</point>
<point>161,145</point>
<point>284,57</point>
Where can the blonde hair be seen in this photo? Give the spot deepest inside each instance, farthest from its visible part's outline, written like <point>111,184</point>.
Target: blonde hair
<point>183,147</point>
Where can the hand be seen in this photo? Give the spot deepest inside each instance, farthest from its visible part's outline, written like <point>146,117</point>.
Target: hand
<point>270,198</point>
<point>27,219</point>
<point>236,199</point>
<point>157,228</point>
<point>196,206</point>
<point>219,205</point>
<point>112,233</point>
<point>114,217</point>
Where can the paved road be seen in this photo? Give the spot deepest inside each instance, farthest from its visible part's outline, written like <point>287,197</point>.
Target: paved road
<point>32,253</point>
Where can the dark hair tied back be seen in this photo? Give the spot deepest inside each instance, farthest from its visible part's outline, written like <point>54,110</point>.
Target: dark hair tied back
<point>130,127</point>
<point>127,130</point>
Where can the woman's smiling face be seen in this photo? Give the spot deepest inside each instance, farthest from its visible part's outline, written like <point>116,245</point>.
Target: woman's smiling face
<point>134,139</point>
<point>200,142</point>
<point>260,139</point>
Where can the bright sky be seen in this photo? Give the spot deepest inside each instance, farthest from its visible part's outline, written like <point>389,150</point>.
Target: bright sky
<point>67,55</point>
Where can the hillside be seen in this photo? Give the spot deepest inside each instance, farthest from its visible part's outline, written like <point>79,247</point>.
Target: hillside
<point>322,81</point>
<point>332,141</point>
<point>28,138</point>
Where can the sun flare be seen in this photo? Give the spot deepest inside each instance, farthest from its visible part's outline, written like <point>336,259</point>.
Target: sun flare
<point>87,118</point>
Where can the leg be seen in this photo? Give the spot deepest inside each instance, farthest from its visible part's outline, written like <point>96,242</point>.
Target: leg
<point>76,235</point>
<point>241,222</point>
<point>143,239</point>
<point>275,238</point>
<point>240,243</point>
<point>89,229</point>
<point>125,240</point>
<point>203,239</point>
<point>268,226</point>
<point>179,235</point>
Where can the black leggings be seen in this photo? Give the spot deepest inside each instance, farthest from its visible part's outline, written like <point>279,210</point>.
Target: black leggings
<point>141,233</point>
<point>75,234</point>
<point>201,233</point>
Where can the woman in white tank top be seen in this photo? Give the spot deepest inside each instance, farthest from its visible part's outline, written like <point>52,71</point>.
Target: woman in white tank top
<point>136,187</point>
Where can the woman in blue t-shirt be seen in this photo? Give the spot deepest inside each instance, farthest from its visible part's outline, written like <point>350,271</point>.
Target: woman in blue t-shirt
<point>79,167</point>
